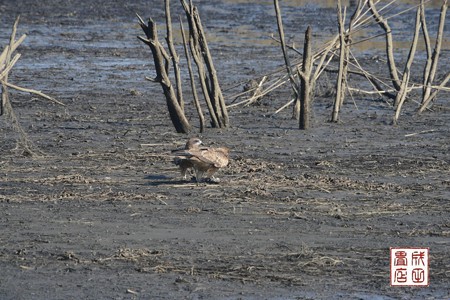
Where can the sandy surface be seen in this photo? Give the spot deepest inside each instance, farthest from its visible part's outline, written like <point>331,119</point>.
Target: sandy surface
<point>297,214</point>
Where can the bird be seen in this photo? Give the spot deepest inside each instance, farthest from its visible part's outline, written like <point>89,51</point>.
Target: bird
<point>183,163</point>
<point>206,160</point>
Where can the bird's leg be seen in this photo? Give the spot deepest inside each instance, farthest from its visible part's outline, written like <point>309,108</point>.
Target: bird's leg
<point>198,175</point>
<point>183,173</point>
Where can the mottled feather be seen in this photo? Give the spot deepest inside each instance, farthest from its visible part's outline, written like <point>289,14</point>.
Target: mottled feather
<point>183,163</point>
<point>206,159</point>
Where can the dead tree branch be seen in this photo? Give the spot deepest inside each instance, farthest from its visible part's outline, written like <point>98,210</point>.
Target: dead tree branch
<point>162,61</point>
<point>389,44</point>
<point>202,57</point>
<point>340,80</point>
<point>192,80</point>
<point>294,81</point>
<point>426,37</point>
<point>429,77</point>
<point>173,54</point>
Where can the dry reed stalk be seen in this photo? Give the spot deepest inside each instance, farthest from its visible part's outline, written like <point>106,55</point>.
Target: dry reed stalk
<point>373,80</point>
<point>278,83</point>
<point>376,92</point>
<point>321,66</point>
<point>273,84</point>
<point>36,92</point>
<point>7,62</point>
<point>257,92</point>
<point>360,20</point>
<point>284,106</point>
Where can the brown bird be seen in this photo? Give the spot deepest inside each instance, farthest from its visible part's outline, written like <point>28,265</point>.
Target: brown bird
<point>183,163</point>
<point>206,160</point>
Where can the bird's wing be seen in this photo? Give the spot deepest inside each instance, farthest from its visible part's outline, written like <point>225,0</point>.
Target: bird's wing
<point>216,156</point>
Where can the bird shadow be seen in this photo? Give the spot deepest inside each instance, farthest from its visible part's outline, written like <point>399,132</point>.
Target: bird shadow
<point>157,180</point>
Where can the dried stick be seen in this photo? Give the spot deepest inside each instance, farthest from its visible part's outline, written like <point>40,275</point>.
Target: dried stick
<point>197,56</point>
<point>426,37</point>
<point>376,92</point>
<point>7,50</point>
<point>389,44</point>
<point>320,66</point>
<point>403,91</point>
<point>374,81</point>
<point>434,60</point>
<point>307,83</point>
<point>340,84</point>
<point>173,55</point>
<point>284,106</point>
<point>294,82</point>
<point>216,91</point>
<point>6,64</point>
<point>273,86</point>
<point>9,65</point>
<point>436,91</point>
<point>345,39</point>
<point>257,92</point>
<point>24,141</point>
<point>7,60</point>
<point>191,75</point>
<point>322,54</point>
<point>39,93</point>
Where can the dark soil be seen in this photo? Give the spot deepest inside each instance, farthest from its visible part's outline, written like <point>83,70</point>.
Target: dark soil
<point>310,214</point>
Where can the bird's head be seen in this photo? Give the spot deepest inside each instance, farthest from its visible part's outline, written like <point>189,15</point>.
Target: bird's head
<point>193,143</point>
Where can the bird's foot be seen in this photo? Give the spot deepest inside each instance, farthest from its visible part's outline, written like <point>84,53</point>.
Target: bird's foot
<point>212,180</point>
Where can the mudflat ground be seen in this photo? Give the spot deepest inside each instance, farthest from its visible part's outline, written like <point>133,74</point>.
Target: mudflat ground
<point>297,215</point>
